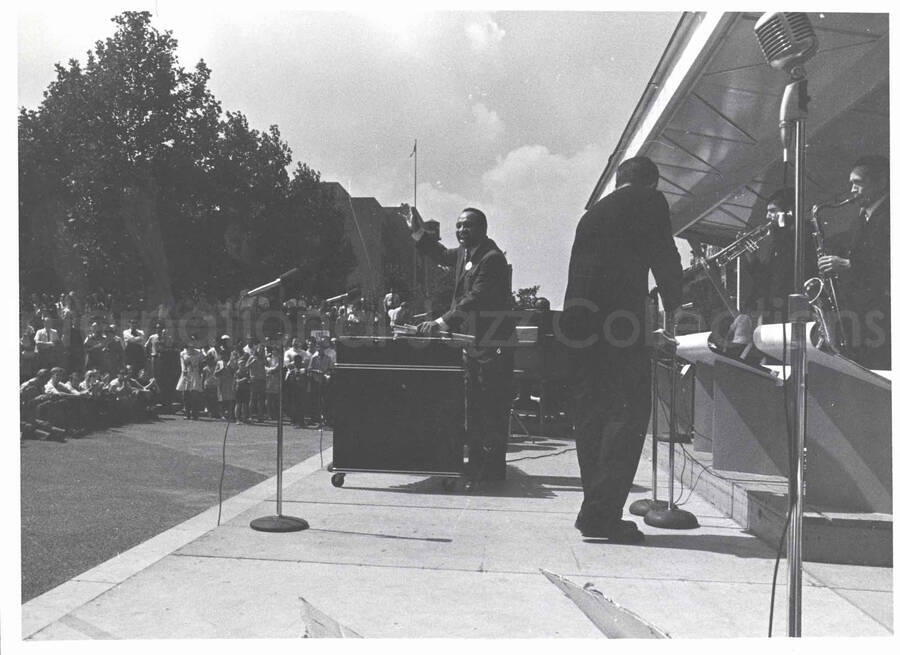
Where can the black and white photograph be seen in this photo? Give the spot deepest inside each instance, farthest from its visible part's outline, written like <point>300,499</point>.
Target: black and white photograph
<point>412,321</point>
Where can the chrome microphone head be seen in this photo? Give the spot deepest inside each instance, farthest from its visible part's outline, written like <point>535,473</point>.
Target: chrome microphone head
<point>787,40</point>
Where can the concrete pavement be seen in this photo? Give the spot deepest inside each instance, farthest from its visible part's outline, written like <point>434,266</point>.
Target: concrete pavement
<point>400,556</point>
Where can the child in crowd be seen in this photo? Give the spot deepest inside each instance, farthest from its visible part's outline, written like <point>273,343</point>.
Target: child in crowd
<point>256,364</point>
<point>295,390</point>
<point>143,398</point>
<point>272,367</point>
<point>211,390</point>
<point>225,371</point>
<point>242,390</point>
<point>148,383</point>
<point>121,392</point>
<point>191,383</point>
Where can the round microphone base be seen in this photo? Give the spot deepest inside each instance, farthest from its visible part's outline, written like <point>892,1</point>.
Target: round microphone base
<point>644,505</point>
<point>279,524</point>
<point>671,519</point>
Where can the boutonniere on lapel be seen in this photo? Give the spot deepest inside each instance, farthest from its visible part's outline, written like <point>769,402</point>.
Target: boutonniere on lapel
<point>468,266</point>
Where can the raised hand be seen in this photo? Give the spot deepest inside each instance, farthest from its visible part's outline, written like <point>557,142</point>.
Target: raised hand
<point>413,221</point>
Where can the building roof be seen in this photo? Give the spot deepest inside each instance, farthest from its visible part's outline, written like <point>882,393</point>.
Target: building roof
<point>709,118</point>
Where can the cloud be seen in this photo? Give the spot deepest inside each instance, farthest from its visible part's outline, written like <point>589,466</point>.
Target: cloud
<point>484,33</point>
<point>532,173</point>
<point>488,122</point>
<point>442,206</point>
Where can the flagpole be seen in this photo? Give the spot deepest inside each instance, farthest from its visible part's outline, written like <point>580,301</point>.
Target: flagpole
<point>415,153</point>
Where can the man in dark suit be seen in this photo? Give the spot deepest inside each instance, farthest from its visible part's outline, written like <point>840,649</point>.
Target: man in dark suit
<point>618,241</point>
<point>864,275</point>
<point>481,296</point>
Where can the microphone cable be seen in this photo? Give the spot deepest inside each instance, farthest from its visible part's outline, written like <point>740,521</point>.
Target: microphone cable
<point>222,474</point>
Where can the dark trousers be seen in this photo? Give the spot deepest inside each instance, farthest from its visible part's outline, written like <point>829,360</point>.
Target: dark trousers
<point>316,397</point>
<point>134,357</point>
<point>611,406</point>
<point>488,399</point>
<point>193,403</point>
<point>167,377</point>
<point>294,394</point>
<point>258,398</point>
<point>869,335</point>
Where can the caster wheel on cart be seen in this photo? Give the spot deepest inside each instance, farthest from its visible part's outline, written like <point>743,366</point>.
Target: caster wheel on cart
<point>330,467</point>
<point>337,479</point>
<point>449,484</point>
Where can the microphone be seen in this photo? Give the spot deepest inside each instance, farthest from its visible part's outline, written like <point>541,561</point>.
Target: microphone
<point>787,40</point>
<point>274,283</point>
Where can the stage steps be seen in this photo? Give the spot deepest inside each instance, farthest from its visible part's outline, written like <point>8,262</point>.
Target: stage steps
<point>759,503</point>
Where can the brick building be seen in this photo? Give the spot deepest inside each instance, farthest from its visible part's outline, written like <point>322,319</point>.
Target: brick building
<point>385,253</point>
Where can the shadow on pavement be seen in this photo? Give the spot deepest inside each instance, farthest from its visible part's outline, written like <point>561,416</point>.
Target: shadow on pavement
<point>516,485</point>
<point>744,546</point>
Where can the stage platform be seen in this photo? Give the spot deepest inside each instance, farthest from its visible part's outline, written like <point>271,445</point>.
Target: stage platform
<point>759,503</point>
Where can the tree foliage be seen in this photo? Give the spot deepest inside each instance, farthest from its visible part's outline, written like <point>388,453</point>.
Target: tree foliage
<point>525,297</point>
<point>132,180</point>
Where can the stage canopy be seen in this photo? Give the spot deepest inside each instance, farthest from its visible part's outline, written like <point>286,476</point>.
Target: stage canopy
<point>709,119</point>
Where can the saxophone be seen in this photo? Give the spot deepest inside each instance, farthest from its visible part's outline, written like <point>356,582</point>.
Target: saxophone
<point>828,333</point>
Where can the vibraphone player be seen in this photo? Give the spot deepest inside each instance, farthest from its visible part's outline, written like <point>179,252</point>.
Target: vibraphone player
<point>481,296</point>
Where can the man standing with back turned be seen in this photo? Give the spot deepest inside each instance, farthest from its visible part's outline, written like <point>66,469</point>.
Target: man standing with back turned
<point>618,240</point>
<point>481,295</point>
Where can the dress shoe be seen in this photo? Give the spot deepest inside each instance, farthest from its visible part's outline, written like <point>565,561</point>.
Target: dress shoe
<point>588,523</point>
<point>620,532</point>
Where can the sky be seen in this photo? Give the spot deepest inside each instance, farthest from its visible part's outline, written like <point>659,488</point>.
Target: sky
<point>515,112</point>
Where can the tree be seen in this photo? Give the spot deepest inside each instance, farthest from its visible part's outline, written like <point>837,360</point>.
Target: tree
<point>131,180</point>
<point>525,297</point>
<point>112,148</point>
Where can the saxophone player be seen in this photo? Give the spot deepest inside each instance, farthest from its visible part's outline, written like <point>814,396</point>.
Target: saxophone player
<point>864,275</point>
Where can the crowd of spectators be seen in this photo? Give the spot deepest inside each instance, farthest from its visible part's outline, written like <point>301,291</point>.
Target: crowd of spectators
<point>80,372</point>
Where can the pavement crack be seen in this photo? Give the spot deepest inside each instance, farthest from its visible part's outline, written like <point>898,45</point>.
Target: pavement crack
<point>575,557</point>
<point>479,569</point>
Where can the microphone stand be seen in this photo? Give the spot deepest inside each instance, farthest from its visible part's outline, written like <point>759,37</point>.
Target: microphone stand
<point>793,115</point>
<point>278,522</point>
<point>644,505</point>
<point>670,516</point>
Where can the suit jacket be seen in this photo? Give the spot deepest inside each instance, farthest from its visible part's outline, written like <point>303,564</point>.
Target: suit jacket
<point>866,290</point>
<point>771,277</point>
<point>618,241</point>
<point>867,284</point>
<point>482,292</point>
